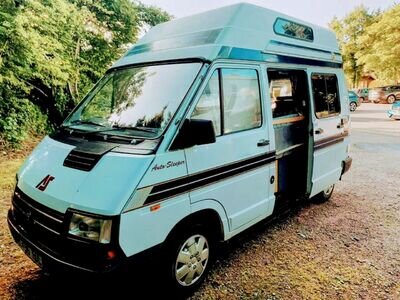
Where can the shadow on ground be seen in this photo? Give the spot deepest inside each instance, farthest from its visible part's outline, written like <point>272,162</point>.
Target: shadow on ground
<point>130,286</point>
<point>143,282</point>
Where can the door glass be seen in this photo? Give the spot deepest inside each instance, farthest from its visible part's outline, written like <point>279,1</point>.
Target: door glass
<point>242,104</point>
<point>326,95</point>
<point>288,93</point>
<point>208,107</point>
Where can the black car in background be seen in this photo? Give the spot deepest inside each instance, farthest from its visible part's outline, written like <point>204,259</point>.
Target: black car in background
<point>389,94</point>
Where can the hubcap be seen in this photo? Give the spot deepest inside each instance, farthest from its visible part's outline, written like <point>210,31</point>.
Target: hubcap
<point>192,260</point>
<point>353,106</point>
<point>328,191</point>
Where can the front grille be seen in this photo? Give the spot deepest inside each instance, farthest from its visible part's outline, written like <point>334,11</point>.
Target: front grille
<point>46,228</point>
<point>81,160</point>
<point>33,215</point>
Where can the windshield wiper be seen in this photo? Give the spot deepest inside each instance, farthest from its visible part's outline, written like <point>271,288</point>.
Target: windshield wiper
<point>79,122</point>
<point>143,129</point>
<point>117,128</point>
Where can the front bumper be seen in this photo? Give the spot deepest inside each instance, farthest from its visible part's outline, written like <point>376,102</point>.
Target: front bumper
<point>41,234</point>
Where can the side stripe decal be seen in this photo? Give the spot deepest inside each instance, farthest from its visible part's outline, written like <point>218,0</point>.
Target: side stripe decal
<point>187,183</point>
<point>329,141</point>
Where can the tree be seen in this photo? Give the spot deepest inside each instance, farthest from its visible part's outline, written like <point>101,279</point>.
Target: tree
<point>53,51</point>
<point>349,31</point>
<point>380,46</point>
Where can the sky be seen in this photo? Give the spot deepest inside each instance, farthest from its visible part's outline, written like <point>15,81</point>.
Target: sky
<point>319,12</point>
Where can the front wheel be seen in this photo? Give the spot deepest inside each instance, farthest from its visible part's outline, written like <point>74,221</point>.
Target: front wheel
<point>189,260</point>
<point>353,106</point>
<point>391,99</point>
<point>325,195</point>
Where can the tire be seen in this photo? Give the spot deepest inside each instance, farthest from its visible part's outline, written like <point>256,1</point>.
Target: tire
<point>391,99</point>
<point>325,195</point>
<point>188,259</point>
<point>353,106</point>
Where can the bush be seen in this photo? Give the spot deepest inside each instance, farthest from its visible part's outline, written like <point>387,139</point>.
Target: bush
<point>18,119</point>
<point>52,52</point>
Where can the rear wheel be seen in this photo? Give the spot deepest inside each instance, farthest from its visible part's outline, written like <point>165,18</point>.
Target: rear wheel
<point>391,99</point>
<point>325,195</point>
<point>353,106</point>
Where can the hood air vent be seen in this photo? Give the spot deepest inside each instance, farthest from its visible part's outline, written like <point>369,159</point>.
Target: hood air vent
<point>81,160</point>
<point>86,156</point>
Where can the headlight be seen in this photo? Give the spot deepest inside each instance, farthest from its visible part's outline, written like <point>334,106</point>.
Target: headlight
<point>90,228</point>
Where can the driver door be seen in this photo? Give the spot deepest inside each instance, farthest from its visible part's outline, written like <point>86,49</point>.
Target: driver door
<point>236,169</point>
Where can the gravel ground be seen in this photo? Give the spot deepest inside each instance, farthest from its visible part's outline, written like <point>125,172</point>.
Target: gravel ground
<point>347,248</point>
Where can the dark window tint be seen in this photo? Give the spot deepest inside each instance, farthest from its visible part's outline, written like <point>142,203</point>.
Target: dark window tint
<point>293,30</point>
<point>208,107</point>
<point>326,95</point>
<point>242,103</point>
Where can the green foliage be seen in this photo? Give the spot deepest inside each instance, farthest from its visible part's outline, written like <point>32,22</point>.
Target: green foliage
<point>370,43</point>
<point>349,31</point>
<point>380,46</point>
<point>152,15</point>
<point>52,51</point>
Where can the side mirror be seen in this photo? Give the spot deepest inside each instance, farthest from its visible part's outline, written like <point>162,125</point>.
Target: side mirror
<point>194,132</point>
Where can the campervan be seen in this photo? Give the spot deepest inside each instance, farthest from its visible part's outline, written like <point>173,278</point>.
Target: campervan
<point>208,125</point>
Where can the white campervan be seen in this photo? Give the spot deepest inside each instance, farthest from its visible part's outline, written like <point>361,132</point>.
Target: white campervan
<point>208,125</point>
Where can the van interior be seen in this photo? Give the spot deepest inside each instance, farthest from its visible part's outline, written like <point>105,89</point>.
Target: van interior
<point>290,109</point>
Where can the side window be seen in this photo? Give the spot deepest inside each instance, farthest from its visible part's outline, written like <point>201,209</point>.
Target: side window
<point>241,100</point>
<point>326,95</point>
<point>288,92</point>
<point>208,107</point>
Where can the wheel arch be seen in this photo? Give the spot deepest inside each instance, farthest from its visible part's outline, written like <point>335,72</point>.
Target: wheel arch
<point>204,215</point>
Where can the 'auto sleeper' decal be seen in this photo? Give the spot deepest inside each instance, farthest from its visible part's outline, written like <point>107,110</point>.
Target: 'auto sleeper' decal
<point>169,164</point>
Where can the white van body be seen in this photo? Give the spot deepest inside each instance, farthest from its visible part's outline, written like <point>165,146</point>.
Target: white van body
<point>287,141</point>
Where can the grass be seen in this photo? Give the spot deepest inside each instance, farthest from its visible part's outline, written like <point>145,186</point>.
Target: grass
<point>8,169</point>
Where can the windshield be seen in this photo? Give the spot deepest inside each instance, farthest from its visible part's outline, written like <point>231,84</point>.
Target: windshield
<point>138,101</point>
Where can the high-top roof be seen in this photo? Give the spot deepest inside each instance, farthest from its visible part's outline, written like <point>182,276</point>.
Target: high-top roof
<point>248,27</point>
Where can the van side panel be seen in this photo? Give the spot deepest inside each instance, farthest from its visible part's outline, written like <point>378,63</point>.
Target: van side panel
<point>141,229</point>
<point>153,227</point>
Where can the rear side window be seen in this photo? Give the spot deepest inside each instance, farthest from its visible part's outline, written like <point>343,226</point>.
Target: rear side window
<point>326,95</point>
<point>231,100</point>
<point>293,30</point>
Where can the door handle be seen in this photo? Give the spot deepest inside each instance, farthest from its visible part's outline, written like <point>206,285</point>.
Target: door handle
<point>319,131</point>
<point>262,143</point>
<point>341,124</point>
